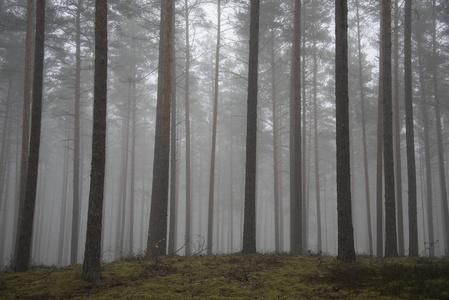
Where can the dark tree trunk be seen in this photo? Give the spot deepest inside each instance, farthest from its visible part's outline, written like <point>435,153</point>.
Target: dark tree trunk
<point>210,218</point>
<point>397,135</point>
<point>390,205</point>
<point>23,254</point>
<point>157,232</point>
<point>25,118</point>
<point>410,135</point>
<point>346,250</point>
<point>296,205</point>
<point>249,227</point>
<point>92,254</point>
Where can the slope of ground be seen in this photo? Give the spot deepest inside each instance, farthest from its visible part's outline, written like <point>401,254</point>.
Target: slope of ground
<point>259,276</point>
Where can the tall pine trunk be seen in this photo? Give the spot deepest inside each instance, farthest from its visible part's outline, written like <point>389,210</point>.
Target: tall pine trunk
<point>249,226</point>
<point>444,203</point>
<point>157,232</point>
<point>365,154</point>
<point>410,135</point>
<point>346,250</point>
<point>390,207</point>
<point>92,254</point>
<point>22,257</point>
<point>296,205</point>
<point>210,218</point>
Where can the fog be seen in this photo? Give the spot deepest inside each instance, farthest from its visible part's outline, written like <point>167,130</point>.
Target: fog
<point>132,91</point>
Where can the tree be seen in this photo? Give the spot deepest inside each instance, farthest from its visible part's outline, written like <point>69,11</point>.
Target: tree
<point>346,250</point>
<point>390,208</point>
<point>187,122</point>
<point>92,254</point>
<point>210,218</point>
<point>25,115</point>
<point>444,200</point>
<point>76,141</point>
<point>249,227</point>
<point>397,135</point>
<point>23,253</point>
<point>157,232</point>
<point>296,242</point>
<point>365,155</point>
<point>410,135</point>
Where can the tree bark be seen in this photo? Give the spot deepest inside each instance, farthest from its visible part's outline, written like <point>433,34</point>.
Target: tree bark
<point>410,135</point>
<point>92,254</point>
<point>346,250</point>
<point>444,202</point>
<point>390,208</point>
<point>25,117</point>
<point>296,205</point>
<point>365,154</point>
<point>249,226</point>
<point>23,254</point>
<point>76,142</point>
<point>187,120</point>
<point>157,232</point>
<point>397,135</point>
<point>210,218</point>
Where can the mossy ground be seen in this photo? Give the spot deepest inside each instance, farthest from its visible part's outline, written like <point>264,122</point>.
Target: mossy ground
<point>259,276</point>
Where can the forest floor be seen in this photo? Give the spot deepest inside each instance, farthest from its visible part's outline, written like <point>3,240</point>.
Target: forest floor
<point>238,276</point>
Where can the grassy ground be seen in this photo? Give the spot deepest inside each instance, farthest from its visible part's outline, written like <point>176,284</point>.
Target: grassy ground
<point>259,276</point>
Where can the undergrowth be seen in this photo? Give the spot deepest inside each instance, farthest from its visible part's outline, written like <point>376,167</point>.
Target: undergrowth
<point>258,276</point>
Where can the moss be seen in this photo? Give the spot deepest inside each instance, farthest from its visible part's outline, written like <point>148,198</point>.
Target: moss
<point>237,276</point>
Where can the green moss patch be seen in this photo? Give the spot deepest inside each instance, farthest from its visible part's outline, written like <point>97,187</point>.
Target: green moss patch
<point>237,276</point>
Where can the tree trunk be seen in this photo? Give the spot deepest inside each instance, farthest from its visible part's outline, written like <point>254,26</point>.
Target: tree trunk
<point>444,204</point>
<point>92,254</point>
<point>210,218</point>
<point>296,205</point>
<point>316,152</point>
<point>62,214</point>
<point>346,250</point>
<point>390,208</point>
<point>427,154</point>
<point>133,156</point>
<point>276,172</point>
<point>187,120</point>
<point>157,232</point>
<point>397,135</point>
<point>76,142</point>
<point>365,154</point>
<point>249,227</point>
<point>173,159</point>
<point>25,118</point>
<point>410,135</point>
<point>23,254</point>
